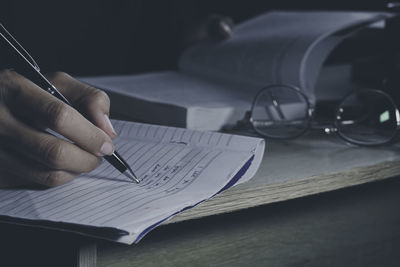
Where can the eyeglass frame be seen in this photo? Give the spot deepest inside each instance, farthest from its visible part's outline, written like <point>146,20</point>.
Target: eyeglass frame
<point>333,128</point>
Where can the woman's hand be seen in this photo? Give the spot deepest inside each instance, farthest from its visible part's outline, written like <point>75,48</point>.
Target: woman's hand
<point>31,156</point>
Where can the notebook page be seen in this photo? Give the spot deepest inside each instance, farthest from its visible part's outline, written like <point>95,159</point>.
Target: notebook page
<point>191,137</point>
<point>179,168</point>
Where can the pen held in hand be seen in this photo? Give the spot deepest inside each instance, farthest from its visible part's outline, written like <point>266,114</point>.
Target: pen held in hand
<point>31,71</point>
<point>120,164</point>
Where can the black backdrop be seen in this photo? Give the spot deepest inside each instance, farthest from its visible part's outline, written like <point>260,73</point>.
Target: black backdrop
<point>94,37</point>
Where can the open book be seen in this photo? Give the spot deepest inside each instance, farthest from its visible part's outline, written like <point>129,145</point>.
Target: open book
<point>179,169</point>
<point>217,81</point>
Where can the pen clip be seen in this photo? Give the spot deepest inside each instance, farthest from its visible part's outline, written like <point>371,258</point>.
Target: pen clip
<point>17,47</point>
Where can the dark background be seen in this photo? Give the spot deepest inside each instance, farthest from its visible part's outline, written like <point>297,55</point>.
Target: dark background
<point>94,37</point>
<point>106,37</point>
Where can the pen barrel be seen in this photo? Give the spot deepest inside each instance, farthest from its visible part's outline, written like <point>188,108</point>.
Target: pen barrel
<point>40,80</point>
<point>25,65</point>
<point>116,162</point>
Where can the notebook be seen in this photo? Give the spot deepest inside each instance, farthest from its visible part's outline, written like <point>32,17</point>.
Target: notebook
<point>179,168</point>
<point>216,81</point>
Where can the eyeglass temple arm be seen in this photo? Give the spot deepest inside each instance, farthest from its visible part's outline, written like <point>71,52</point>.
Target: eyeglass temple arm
<point>286,122</point>
<point>6,35</point>
<point>276,105</point>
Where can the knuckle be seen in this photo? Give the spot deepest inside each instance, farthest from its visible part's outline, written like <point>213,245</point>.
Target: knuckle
<point>12,87</point>
<point>99,97</point>
<point>92,97</point>
<point>57,76</point>
<point>6,122</point>
<point>8,74</point>
<point>52,153</point>
<point>7,79</point>
<point>92,164</point>
<point>57,113</point>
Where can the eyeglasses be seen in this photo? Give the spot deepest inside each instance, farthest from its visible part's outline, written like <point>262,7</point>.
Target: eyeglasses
<point>365,117</point>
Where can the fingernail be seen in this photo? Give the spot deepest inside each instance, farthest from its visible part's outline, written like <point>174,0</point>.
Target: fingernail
<point>107,148</point>
<point>109,125</point>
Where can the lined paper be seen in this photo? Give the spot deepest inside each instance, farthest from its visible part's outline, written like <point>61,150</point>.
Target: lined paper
<point>178,167</point>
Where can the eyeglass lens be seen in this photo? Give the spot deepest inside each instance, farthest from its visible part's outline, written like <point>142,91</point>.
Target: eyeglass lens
<point>367,117</point>
<point>280,111</point>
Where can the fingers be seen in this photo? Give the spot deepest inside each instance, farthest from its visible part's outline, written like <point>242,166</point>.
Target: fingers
<point>16,171</point>
<point>60,117</point>
<point>48,150</point>
<point>93,103</point>
<point>95,106</point>
<point>30,156</point>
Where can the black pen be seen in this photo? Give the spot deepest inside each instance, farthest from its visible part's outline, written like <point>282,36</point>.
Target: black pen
<point>34,74</point>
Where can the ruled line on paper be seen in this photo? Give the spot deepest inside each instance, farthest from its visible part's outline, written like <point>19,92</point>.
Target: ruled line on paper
<point>86,186</point>
<point>106,169</point>
<point>126,128</point>
<point>113,183</point>
<point>170,161</point>
<point>120,196</point>
<point>172,190</point>
<point>176,134</point>
<point>123,186</point>
<point>114,193</point>
<point>130,202</point>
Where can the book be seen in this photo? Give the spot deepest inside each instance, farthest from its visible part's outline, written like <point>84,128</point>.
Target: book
<point>179,169</point>
<point>216,81</point>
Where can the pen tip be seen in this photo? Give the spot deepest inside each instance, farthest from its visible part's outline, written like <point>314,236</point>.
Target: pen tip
<point>131,176</point>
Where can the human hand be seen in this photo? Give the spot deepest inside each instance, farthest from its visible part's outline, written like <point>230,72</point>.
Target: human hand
<point>29,155</point>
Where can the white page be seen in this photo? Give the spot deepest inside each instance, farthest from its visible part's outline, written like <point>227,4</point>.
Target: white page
<point>277,47</point>
<point>179,168</point>
<point>184,100</point>
<point>217,81</point>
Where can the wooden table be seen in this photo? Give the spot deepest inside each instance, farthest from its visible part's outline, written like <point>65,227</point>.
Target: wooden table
<point>354,226</point>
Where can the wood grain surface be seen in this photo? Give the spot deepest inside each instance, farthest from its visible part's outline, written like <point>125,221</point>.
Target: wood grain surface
<point>357,226</point>
<point>306,166</point>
